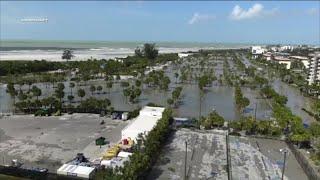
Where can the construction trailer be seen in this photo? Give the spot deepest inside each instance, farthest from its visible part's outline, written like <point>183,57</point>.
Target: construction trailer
<point>76,171</point>
<point>147,119</point>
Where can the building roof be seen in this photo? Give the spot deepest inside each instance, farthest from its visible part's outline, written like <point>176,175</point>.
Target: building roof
<point>75,169</point>
<point>147,119</point>
<point>268,54</point>
<point>299,57</point>
<point>280,58</point>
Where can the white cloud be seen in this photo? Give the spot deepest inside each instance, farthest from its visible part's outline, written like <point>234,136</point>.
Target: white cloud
<point>200,17</point>
<point>313,11</point>
<point>255,11</point>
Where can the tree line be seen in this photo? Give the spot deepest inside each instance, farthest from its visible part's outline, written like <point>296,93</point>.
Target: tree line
<point>145,154</point>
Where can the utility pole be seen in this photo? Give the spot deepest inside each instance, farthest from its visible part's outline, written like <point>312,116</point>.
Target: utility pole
<point>255,112</point>
<point>228,158</point>
<point>284,163</point>
<point>185,162</point>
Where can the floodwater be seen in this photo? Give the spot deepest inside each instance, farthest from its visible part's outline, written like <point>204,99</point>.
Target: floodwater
<point>220,98</point>
<point>296,101</point>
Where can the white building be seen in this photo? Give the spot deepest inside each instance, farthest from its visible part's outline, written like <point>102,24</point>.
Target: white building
<point>314,69</point>
<point>303,59</point>
<point>286,48</point>
<point>147,119</point>
<point>267,56</point>
<point>76,170</point>
<point>283,60</point>
<point>256,51</point>
<point>181,55</point>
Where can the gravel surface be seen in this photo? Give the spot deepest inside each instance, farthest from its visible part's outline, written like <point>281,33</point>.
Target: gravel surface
<point>51,141</point>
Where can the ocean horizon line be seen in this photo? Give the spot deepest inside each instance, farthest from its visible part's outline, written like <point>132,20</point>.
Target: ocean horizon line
<point>148,41</point>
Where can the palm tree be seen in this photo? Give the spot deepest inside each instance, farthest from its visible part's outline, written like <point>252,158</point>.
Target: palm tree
<point>109,85</point>
<point>201,84</point>
<point>21,83</point>
<point>71,85</point>
<point>81,93</point>
<point>29,82</point>
<point>12,91</point>
<point>176,75</point>
<point>36,91</point>
<point>92,89</point>
<point>70,98</point>
<point>59,93</point>
<point>126,93</point>
<point>99,89</point>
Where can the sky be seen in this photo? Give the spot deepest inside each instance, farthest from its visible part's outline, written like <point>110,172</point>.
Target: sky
<point>266,22</point>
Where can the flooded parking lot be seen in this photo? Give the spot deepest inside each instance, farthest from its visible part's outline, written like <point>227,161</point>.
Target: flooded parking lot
<point>217,96</point>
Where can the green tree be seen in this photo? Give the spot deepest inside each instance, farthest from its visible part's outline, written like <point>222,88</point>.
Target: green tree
<point>138,83</point>
<point>150,51</point>
<point>60,86</point>
<point>169,101</point>
<point>81,93</point>
<point>71,85</point>
<point>315,129</point>
<point>109,86</point>
<point>67,54</point>
<point>176,75</point>
<point>22,96</point>
<point>59,93</point>
<point>240,100</point>
<point>36,91</point>
<point>138,52</point>
<point>70,98</point>
<point>92,89</point>
<point>316,107</point>
<point>213,120</point>
<point>202,82</point>
<point>99,88</point>
<point>12,91</point>
<point>126,93</point>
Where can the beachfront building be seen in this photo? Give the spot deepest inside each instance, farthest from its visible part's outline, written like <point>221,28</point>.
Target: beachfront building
<point>314,69</point>
<point>143,124</point>
<point>267,56</point>
<point>283,60</point>
<point>182,55</point>
<point>303,59</point>
<point>256,51</point>
<point>286,48</point>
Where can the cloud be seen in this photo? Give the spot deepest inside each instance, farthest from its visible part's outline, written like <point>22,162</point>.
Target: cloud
<point>200,17</point>
<point>257,10</point>
<point>313,11</point>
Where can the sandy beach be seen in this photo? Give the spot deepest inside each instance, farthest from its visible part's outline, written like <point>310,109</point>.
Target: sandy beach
<point>82,50</point>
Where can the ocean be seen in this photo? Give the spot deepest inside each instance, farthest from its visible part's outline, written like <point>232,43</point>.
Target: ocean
<point>83,50</point>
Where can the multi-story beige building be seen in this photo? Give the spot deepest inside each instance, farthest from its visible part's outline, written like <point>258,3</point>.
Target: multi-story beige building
<point>314,69</point>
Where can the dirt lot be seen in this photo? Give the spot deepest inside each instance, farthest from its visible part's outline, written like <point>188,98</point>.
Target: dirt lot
<point>207,158</point>
<point>50,141</point>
